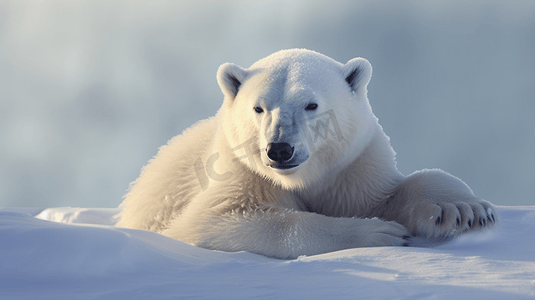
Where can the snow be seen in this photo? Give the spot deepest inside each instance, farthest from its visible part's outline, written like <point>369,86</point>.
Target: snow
<point>82,256</point>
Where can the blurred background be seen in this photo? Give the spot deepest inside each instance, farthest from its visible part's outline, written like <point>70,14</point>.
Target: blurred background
<point>90,89</point>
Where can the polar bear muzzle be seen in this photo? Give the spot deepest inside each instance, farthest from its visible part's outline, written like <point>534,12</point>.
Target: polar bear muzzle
<point>279,155</point>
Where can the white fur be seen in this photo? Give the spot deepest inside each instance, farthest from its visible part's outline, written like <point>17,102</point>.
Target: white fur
<point>215,185</point>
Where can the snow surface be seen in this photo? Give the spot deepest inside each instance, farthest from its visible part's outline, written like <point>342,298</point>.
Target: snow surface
<point>40,259</point>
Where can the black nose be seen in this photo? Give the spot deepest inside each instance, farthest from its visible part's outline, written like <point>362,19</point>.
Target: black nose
<point>279,152</point>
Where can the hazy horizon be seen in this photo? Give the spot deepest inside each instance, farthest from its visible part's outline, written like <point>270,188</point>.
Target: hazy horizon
<point>89,90</point>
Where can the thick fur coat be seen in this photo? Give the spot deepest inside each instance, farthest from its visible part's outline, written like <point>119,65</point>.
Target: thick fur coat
<point>295,163</point>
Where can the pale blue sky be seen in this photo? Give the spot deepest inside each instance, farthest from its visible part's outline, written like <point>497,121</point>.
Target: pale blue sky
<point>90,89</point>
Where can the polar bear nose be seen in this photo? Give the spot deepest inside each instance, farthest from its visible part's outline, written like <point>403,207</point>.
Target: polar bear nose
<point>279,152</point>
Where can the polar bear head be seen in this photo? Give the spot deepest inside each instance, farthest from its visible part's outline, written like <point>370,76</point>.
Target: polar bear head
<point>302,115</point>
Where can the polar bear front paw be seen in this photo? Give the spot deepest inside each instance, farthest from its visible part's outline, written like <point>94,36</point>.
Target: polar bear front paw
<point>446,220</point>
<point>378,233</point>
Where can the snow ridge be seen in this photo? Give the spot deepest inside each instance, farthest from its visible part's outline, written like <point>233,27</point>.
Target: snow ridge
<point>68,259</point>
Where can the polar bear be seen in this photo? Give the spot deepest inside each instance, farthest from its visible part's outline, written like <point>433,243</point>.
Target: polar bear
<point>295,163</point>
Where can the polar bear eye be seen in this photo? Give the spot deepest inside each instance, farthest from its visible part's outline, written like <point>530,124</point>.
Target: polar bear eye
<point>258,109</point>
<point>311,106</point>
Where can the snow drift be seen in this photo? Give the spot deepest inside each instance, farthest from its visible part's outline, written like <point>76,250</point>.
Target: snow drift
<point>80,255</point>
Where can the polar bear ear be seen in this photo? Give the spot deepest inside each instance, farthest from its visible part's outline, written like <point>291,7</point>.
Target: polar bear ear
<point>230,77</point>
<point>357,73</point>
